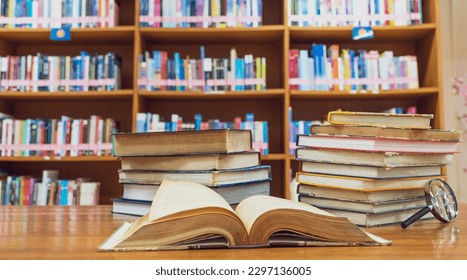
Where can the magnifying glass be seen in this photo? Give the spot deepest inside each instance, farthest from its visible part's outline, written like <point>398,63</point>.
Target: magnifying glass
<point>440,200</point>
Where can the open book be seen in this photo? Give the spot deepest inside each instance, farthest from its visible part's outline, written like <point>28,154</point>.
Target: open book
<point>186,215</point>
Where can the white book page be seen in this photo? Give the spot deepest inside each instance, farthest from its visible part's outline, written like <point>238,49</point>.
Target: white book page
<point>177,196</point>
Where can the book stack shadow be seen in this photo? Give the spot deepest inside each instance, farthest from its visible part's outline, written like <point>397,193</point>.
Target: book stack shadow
<point>222,160</point>
<point>372,167</point>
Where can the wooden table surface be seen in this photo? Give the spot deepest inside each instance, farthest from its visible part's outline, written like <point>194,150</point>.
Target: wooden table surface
<point>60,232</point>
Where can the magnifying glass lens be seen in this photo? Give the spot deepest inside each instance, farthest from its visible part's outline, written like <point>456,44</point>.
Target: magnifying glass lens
<point>443,201</point>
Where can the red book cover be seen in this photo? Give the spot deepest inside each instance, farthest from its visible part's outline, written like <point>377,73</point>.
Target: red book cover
<point>164,68</point>
<point>293,66</point>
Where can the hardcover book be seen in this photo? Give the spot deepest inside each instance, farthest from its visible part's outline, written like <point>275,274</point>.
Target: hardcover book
<point>347,182</point>
<point>375,144</point>
<point>191,162</point>
<point>388,132</point>
<point>369,171</point>
<point>186,215</point>
<point>364,207</point>
<point>366,196</point>
<point>233,194</point>
<point>380,159</point>
<point>212,178</point>
<point>182,142</point>
<point>420,121</point>
<point>377,219</point>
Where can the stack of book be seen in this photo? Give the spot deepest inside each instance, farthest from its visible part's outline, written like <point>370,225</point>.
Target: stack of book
<point>220,159</point>
<point>372,167</point>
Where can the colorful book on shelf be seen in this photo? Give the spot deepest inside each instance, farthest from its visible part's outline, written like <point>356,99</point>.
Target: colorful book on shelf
<point>352,70</point>
<point>46,14</point>
<point>357,13</point>
<point>43,72</point>
<point>199,218</point>
<point>378,159</point>
<point>375,144</point>
<point>200,13</point>
<point>60,137</point>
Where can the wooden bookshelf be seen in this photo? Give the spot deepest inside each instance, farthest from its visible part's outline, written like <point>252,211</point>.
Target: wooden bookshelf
<point>273,40</point>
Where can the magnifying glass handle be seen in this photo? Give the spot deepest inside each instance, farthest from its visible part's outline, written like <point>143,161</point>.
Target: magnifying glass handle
<point>422,212</point>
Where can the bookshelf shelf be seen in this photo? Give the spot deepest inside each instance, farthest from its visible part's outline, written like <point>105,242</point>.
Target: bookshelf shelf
<point>262,34</point>
<point>273,157</point>
<point>406,93</point>
<point>117,94</point>
<point>120,34</point>
<point>344,34</point>
<point>59,159</point>
<point>199,95</point>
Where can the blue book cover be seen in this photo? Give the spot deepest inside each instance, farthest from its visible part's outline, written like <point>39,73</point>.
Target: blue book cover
<point>100,70</point>
<point>177,63</point>
<point>63,192</point>
<point>198,121</point>
<point>6,198</point>
<point>182,73</point>
<point>319,59</point>
<point>352,69</point>
<point>239,73</point>
<point>362,73</point>
<point>266,138</point>
<point>202,56</point>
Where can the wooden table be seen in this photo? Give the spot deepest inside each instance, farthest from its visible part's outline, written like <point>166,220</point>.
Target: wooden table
<point>60,232</point>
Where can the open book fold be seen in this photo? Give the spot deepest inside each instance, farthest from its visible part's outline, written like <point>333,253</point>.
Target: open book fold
<point>186,215</point>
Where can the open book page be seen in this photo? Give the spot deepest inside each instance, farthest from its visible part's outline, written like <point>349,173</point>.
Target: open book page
<point>251,208</point>
<point>174,197</point>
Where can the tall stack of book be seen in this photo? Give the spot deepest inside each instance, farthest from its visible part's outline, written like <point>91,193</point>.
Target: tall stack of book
<point>220,159</point>
<point>372,167</point>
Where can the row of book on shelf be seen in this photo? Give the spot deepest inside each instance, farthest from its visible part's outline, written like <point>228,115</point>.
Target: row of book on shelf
<point>156,71</point>
<point>319,13</point>
<point>201,13</point>
<point>153,122</point>
<point>319,68</point>
<point>334,68</point>
<point>221,159</point>
<point>43,72</point>
<point>372,167</point>
<point>48,189</point>
<point>208,13</point>
<point>56,137</point>
<point>56,14</point>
